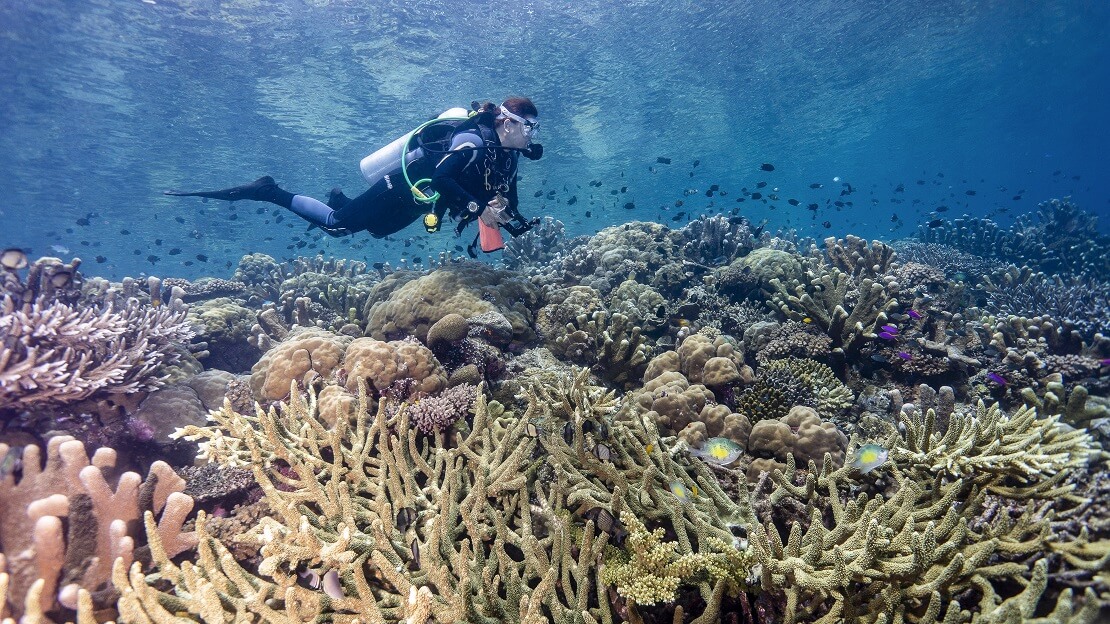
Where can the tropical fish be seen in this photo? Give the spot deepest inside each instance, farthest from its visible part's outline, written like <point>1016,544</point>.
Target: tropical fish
<point>720,451</point>
<point>914,314</point>
<point>998,379</point>
<point>681,492</point>
<point>11,461</point>
<point>868,457</point>
<point>890,329</point>
<point>904,355</point>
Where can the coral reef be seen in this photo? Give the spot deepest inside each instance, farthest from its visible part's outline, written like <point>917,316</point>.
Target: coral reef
<point>65,521</point>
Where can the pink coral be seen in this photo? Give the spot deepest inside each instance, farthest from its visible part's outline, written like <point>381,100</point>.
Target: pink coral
<point>437,413</point>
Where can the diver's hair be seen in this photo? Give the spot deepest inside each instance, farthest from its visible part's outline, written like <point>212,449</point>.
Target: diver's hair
<point>517,105</point>
<point>521,106</point>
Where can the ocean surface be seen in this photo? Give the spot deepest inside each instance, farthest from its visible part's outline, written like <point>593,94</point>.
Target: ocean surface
<point>106,103</point>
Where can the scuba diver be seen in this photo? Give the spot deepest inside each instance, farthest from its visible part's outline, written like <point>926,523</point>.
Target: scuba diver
<point>467,162</point>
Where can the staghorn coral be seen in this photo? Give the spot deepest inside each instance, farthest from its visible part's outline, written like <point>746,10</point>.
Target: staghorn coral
<point>912,555</point>
<point>1072,302</point>
<point>853,256</point>
<point>66,564</point>
<point>823,297</point>
<point>610,344</point>
<point>490,538</point>
<point>53,353</point>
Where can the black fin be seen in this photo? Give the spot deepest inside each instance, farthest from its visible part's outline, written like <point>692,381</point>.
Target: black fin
<point>246,191</point>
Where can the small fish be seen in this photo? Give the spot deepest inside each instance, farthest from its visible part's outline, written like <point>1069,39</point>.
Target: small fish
<point>887,336</point>
<point>13,259</point>
<point>807,320</point>
<point>662,160</point>
<point>678,217</point>
<point>649,448</point>
<point>935,223</point>
<point>179,219</point>
<point>589,214</point>
<point>760,184</point>
<point>869,457</point>
<point>202,257</point>
<point>11,461</point>
<point>793,202</point>
<point>152,258</point>
<point>826,224</point>
<point>681,492</point>
<point>914,314</point>
<point>757,195</point>
<point>605,521</point>
<point>816,185</point>
<point>890,329</point>
<point>998,379</point>
<point>630,206</point>
<point>942,209</point>
<point>1104,362</point>
<point>406,516</point>
<point>767,167</point>
<point>603,452</point>
<point>331,585</point>
<point>969,192</point>
<point>82,221</point>
<point>904,355</point>
<point>101,259</point>
<point>720,451</point>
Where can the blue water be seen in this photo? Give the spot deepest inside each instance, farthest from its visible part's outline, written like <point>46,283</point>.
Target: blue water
<point>105,103</point>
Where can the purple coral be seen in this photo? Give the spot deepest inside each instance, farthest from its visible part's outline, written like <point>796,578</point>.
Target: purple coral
<point>438,413</point>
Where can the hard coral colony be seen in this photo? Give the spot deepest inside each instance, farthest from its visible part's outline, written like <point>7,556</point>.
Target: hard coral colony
<point>645,425</point>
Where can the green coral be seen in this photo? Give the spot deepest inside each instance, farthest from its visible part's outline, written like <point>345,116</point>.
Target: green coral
<point>783,384</point>
<point>922,552</point>
<point>847,310</point>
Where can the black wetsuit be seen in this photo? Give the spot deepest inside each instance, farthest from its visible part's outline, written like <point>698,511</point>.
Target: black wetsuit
<point>468,173</point>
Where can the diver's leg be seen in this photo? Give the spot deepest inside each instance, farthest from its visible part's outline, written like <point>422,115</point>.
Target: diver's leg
<point>263,189</point>
<point>336,198</point>
<point>314,211</point>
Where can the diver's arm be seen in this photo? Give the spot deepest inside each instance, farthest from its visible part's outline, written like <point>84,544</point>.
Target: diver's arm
<point>520,226</point>
<point>451,167</point>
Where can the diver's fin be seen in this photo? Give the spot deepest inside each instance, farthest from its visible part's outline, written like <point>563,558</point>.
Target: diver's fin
<point>336,199</point>
<point>258,190</point>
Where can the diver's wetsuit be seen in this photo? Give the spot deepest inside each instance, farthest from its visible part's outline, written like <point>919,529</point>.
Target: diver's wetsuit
<point>388,206</point>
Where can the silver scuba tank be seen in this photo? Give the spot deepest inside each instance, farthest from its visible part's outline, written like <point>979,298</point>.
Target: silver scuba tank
<point>375,166</point>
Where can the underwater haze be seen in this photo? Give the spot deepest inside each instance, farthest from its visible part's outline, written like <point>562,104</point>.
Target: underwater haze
<point>106,103</point>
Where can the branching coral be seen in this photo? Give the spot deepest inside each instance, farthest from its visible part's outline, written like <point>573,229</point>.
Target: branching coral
<point>854,256</point>
<point>825,298</point>
<point>912,555</point>
<point>51,352</point>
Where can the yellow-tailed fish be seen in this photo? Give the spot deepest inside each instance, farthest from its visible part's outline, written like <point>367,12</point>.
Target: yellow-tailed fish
<point>868,457</point>
<point>720,451</point>
<point>683,493</point>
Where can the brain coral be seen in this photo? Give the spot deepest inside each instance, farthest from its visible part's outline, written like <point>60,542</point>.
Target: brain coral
<point>383,364</point>
<point>801,433</point>
<point>469,289</point>
<point>304,350</point>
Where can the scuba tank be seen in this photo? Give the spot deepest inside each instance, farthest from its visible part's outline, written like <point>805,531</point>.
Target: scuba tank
<point>375,166</point>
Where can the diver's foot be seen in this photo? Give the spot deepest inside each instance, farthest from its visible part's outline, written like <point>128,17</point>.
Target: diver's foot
<point>259,190</point>
<point>336,199</point>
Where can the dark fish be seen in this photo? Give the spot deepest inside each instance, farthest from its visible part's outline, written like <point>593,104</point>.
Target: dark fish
<point>794,202</point>
<point>568,433</point>
<point>624,189</point>
<point>179,219</point>
<point>158,242</point>
<point>175,251</point>
<point>935,223</point>
<point>760,184</point>
<point>678,217</point>
<point>82,221</point>
<point>969,192</point>
<point>942,208</point>
<point>101,259</point>
<point>894,218</point>
<point>816,185</point>
<point>996,378</point>
<point>152,258</point>
<point>880,358</point>
<point>588,214</point>
<point>901,188</point>
<point>697,162</point>
<point>202,257</point>
<point>678,203</point>
<point>538,194</point>
<point>406,516</point>
<point>757,195</point>
<point>714,188</point>
<point>125,232</point>
<point>459,248</point>
<point>767,167</point>
<point>415,548</point>
<point>813,207</point>
<point>826,224</point>
<point>663,161</point>
<point>629,206</point>
<point>573,200</point>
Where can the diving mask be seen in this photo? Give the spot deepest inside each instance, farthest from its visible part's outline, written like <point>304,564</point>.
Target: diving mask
<point>527,126</point>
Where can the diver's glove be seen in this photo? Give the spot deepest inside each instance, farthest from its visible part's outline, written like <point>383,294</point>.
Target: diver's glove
<point>534,152</point>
